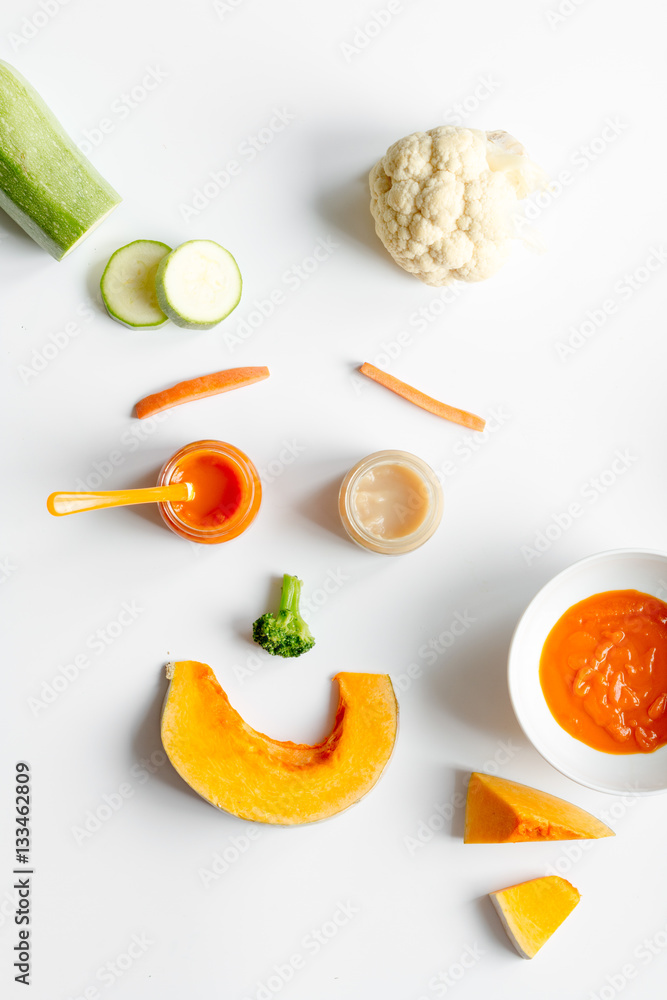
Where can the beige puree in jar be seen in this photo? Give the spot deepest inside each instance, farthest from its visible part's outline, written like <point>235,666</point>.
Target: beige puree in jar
<point>390,502</point>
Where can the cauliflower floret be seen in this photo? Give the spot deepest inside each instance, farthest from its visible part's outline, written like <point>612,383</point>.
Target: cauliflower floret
<point>444,201</point>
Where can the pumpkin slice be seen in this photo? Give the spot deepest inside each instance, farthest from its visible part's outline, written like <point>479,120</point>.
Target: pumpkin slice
<point>532,911</point>
<point>504,812</point>
<point>255,777</point>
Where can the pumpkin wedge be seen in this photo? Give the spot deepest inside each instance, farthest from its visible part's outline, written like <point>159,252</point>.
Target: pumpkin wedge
<point>246,773</point>
<point>532,911</point>
<point>499,811</point>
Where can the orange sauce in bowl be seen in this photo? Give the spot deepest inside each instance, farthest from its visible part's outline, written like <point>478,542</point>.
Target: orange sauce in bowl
<point>603,672</point>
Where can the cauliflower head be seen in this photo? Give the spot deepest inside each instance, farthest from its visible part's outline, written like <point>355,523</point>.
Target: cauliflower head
<point>445,201</point>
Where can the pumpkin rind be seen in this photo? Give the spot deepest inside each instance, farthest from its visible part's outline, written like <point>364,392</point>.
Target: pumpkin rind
<point>246,773</point>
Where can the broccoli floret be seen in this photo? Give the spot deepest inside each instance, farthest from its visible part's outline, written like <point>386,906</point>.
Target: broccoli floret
<point>286,633</point>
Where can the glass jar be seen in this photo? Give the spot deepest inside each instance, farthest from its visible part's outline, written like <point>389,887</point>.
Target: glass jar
<point>227,494</point>
<point>390,502</point>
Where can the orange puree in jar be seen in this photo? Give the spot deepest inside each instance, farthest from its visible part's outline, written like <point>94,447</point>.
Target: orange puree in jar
<point>227,492</point>
<point>603,671</point>
<point>217,485</point>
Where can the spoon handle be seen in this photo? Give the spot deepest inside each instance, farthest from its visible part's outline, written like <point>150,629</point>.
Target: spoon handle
<point>72,503</point>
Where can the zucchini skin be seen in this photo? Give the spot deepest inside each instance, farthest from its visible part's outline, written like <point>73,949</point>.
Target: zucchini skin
<point>47,185</point>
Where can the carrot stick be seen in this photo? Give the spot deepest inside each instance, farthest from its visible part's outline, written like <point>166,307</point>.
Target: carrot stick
<point>421,399</point>
<point>198,388</point>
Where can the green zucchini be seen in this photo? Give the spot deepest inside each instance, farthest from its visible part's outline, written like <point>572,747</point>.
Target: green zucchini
<point>46,183</point>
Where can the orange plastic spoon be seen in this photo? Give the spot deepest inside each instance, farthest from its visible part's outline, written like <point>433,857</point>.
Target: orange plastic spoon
<point>73,503</point>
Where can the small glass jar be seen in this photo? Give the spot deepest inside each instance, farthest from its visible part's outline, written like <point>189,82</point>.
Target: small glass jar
<point>230,470</point>
<point>402,518</point>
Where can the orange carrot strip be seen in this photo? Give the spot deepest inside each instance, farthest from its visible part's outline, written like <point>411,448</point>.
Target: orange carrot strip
<point>421,399</point>
<point>198,388</point>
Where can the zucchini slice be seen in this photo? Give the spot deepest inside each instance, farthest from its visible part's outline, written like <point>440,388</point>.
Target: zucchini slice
<point>198,284</point>
<point>128,284</point>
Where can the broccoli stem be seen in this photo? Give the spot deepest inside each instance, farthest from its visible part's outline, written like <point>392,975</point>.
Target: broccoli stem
<point>290,594</point>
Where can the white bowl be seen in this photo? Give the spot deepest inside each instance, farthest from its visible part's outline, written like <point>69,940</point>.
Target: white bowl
<point>621,569</point>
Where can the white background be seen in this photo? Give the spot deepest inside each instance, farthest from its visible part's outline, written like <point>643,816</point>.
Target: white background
<point>491,349</point>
